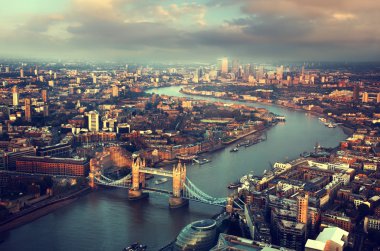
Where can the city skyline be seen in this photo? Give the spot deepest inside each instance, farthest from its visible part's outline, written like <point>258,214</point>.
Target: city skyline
<point>167,31</point>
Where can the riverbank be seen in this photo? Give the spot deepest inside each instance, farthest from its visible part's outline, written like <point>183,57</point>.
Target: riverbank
<point>39,211</point>
<point>347,130</point>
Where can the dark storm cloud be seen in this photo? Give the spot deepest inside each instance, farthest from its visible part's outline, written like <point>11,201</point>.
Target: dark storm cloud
<point>126,35</point>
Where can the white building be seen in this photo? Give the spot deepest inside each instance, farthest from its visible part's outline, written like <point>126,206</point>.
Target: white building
<point>93,121</point>
<point>330,239</point>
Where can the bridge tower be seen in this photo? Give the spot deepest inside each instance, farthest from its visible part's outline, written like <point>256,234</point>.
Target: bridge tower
<point>94,172</point>
<point>179,178</point>
<point>138,180</point>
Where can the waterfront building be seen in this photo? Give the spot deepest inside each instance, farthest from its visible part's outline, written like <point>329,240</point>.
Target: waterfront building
<point>52,166</point>
<point>199,235</point>
<point>15,154</point>
<point>58,150</point>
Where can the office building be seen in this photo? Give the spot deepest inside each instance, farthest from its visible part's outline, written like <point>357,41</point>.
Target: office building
<point>93,121</point>
<point>21,73</point>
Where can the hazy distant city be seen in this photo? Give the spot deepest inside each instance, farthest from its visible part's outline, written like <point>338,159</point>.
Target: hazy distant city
<point>204,125</point>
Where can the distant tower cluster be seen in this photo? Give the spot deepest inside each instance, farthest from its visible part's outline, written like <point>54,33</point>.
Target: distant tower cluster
<point>223,65</point>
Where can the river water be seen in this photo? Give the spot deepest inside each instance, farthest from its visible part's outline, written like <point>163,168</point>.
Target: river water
<point>106,220</point>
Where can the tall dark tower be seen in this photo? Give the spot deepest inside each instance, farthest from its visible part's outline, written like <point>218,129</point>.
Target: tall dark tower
<point>355,95</point>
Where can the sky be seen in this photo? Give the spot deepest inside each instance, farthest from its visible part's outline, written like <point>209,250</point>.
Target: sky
<point>191,31</point>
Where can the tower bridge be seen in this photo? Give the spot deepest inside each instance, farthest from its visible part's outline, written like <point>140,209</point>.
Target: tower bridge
<point>182,191</point>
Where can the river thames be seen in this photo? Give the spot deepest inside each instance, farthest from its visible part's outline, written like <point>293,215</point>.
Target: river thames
<point>106,220</point>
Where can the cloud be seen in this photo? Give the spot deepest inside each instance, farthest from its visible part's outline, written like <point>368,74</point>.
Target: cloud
<point>186,30</point>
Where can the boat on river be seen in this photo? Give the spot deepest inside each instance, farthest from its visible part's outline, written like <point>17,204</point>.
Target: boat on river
<point>234,150</point>
<point>136,247</point>
<point>160,181</point>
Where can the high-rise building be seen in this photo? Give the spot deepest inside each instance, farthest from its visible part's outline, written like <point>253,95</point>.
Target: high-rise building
<point>115,91</point>
<point>291,235</point>
<point>28,112</point>
<point>93,121</point>
<point>365,97</point>
<point>223,65</point>
<point>21,73</point>
<point>94,79</point>
<point>78,80</point>
<point>7,69</point>
<point>378,98</point>
<point>46,110</point>
<point>355,94</point>
<point>235,66</point>
<point>44,96</point>
<point>302,208</point>
<point>15,95</point>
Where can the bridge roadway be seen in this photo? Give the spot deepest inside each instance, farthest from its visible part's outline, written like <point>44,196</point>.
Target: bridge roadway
<point>160,172</point>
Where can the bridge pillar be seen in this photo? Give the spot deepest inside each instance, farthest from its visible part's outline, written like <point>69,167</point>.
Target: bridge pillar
<point>135,193</point>
<point>179,177</point>
<point>93,172</point>
<point>230,205</point>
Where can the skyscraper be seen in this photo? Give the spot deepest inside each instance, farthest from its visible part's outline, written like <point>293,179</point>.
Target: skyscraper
<point>355,95</point>
<point>46,110</point>
<point>93,121</point>
<point>44,96</point>
<point>302,208</point>
<point>235,66</point>
<point>15,95</point>
<point>28,113</point>
<point>223,65</point>
<point>378,98</point>
<point>21,73</point>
